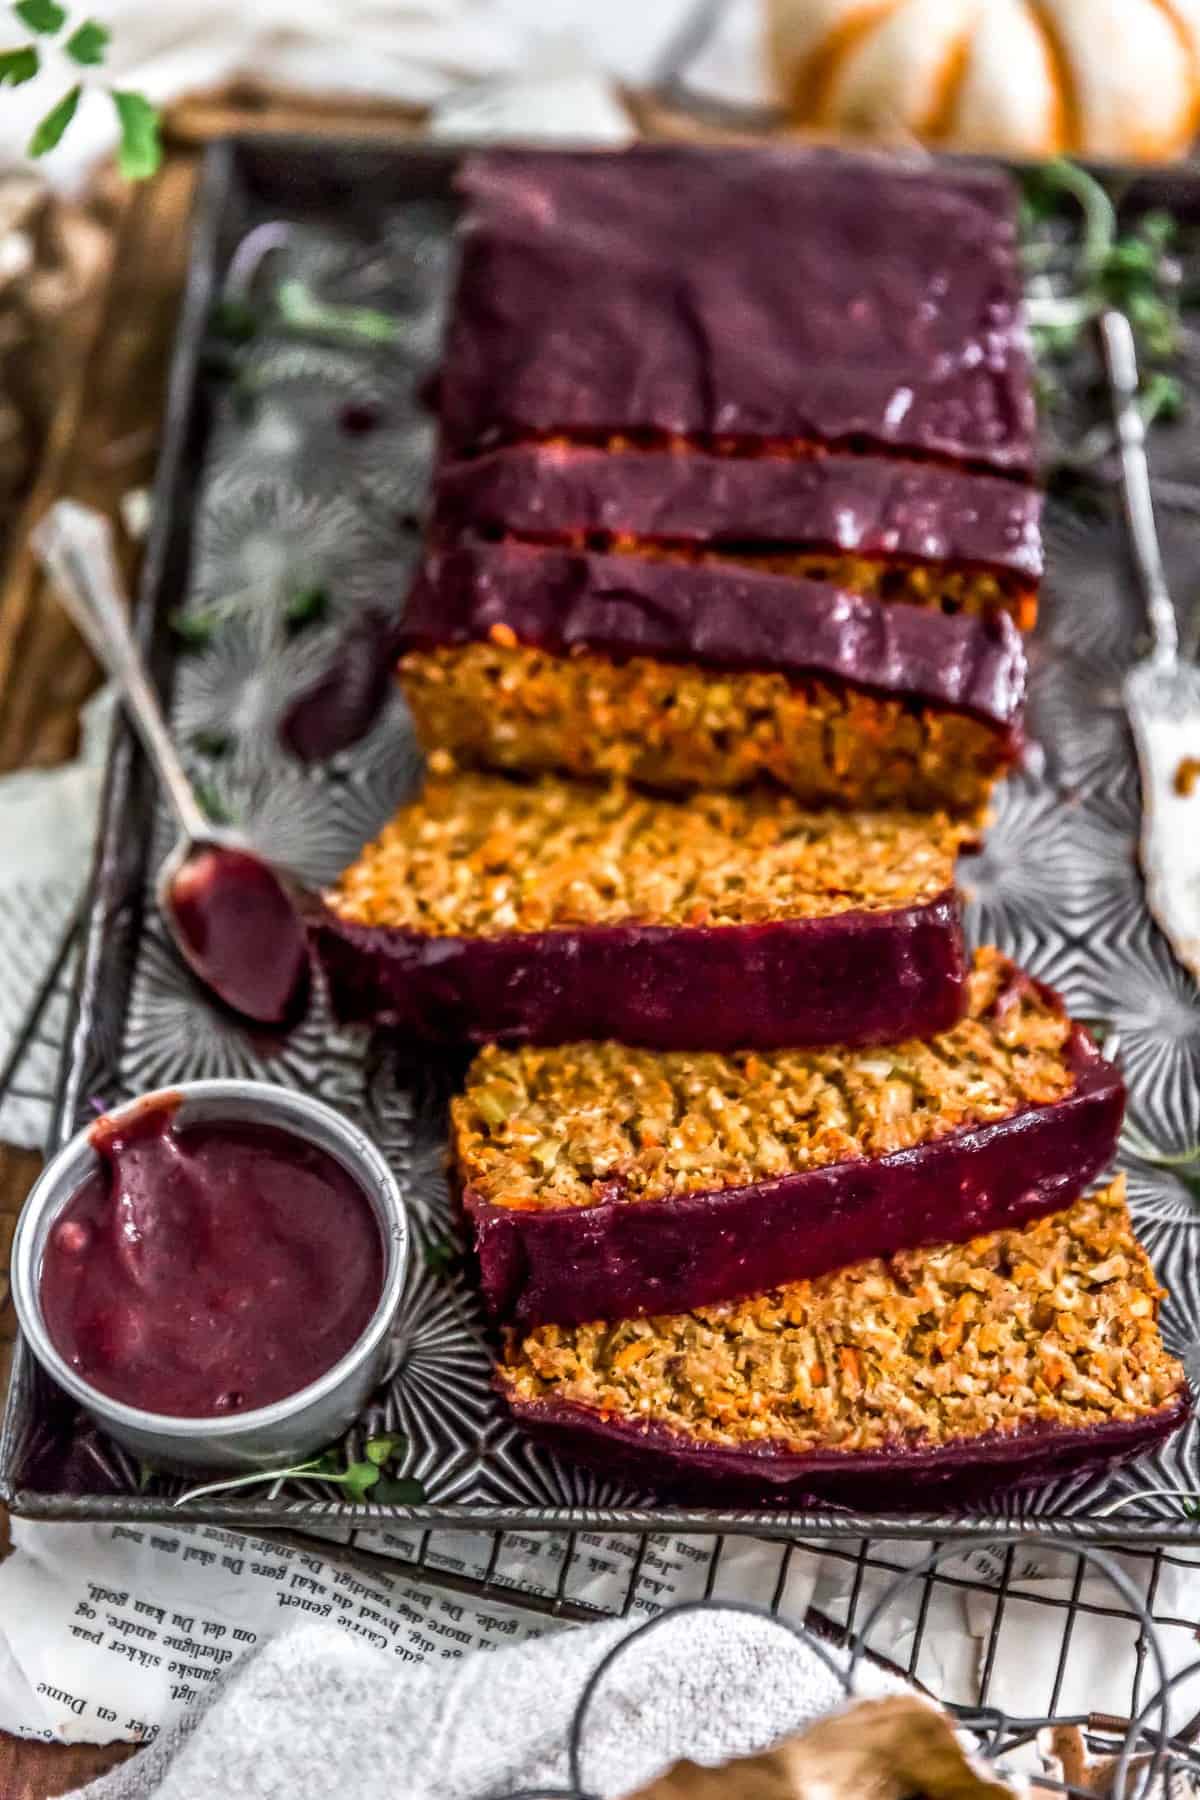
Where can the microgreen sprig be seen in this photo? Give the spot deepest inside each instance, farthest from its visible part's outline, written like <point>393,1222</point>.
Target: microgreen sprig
<point>440,1255</point>
<point>1073,280</point>
<point>366,1478</point>
<point>1183,1164</point>
<point>1188,1498</point>
<point>86,45</point>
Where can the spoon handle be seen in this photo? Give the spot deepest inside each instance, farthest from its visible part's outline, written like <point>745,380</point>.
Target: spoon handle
<point>74,544</point>
<point>1120,358</point>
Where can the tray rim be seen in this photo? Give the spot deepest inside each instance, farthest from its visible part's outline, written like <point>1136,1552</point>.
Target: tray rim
<point>169,537</point>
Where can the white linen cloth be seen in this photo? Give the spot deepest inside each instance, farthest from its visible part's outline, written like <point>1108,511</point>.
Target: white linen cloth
<point>317,1707</point>
<point>429,53</point>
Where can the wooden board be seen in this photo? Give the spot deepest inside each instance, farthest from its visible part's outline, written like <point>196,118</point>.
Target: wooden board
<point>103,444</point>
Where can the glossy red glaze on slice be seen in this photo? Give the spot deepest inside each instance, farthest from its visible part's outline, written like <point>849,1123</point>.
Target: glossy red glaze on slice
<point>905,1477</point>
<point>572,1264</point>
<point>870,506</point>
<point>845,978</point>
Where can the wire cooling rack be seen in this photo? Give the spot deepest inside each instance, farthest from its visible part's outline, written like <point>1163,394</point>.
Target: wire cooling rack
<point>1003,1588</point>
<point>1144,1754</point>
<point>1147,1746</point>
<point>1008,1593</point>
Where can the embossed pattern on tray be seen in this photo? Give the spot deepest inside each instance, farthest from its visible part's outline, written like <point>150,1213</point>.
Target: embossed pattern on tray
<point>311,479</point>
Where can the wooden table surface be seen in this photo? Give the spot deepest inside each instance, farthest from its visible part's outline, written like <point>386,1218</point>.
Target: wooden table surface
<point>103,445</point>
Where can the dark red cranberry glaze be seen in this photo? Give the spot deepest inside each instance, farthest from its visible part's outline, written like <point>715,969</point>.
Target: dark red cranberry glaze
<point>242,934</point>
<point>209,1268</point>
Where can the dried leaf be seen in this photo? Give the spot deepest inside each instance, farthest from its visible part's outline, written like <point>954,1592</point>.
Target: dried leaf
<point>875,1750</point>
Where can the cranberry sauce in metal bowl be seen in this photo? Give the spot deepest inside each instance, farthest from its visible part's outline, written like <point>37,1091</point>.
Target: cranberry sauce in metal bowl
<point>209,1268</point>
<point>213,1272</point>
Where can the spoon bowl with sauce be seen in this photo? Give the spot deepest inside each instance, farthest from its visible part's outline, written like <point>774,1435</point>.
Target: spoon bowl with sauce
<point>235,919</point>
<point>212,1271</point>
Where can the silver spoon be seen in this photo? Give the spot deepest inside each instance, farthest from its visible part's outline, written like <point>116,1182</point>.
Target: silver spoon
<point>232,917</point>
<point>1162,691</point>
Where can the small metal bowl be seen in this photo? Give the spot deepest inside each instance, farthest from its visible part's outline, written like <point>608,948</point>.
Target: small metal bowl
<point>269,1436</point>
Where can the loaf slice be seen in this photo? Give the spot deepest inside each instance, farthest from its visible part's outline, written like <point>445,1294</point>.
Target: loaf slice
<point>921,532</point>
<point>553,911</point>
<point>603,1181</point>
<point>682,675</point>
<point>938,1376</point>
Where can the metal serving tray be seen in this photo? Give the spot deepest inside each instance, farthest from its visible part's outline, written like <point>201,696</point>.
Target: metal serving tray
<point>285,520</point>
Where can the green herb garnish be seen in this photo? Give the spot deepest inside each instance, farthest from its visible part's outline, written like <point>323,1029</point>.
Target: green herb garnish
<point>439,1254</point>
<point>1189,1501</point>
<point>362,1480</point>
<point>43,16</point>
<point>1183,1164</point>
<point>88,44</point>
<point>195,629</point>
<point>306,606</point>
<point>234,320</point>
<point>211,802</point>
<point>140,151</point>
<point>212,743</point>
<point>47,133</point>
<point>1072,279</point>
<point>300,310</point>
<point>18,66</point>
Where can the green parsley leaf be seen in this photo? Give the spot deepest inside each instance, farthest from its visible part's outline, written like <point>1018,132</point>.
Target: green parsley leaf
<point>88,43</point>
<point>399,1490</point>
<point>18,66</point>
<point>49,131</point>
<point>43,16</point>
<point>380,1450</point>
<point>141,149</point>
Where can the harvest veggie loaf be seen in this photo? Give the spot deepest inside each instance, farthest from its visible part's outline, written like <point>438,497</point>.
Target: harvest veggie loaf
<point>705,674</point>
<point>603,1181</point>
<point>931,1377</point>
<point>921,532</point>
<point>553,911</point>
<point>745,298</point>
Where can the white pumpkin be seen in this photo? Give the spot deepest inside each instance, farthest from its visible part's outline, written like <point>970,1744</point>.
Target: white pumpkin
<point>1106,78</point>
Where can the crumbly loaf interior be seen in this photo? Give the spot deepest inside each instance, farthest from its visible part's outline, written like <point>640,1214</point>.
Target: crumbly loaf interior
<point>1053,1325</point>
<point>582,1124</point>
<point>681,726</point>
<point>481,856</point>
